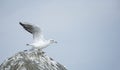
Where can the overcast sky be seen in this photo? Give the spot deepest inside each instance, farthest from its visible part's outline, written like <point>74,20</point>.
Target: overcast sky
<point>87,31</point>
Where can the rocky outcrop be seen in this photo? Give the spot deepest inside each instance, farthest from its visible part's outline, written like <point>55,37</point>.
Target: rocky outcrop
<point>31,60</point>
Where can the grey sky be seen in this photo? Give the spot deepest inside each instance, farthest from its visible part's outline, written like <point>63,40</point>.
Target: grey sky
<point>87,31</point>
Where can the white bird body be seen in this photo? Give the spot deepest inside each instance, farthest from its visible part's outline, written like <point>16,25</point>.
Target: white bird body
<point>40,44</point>
<point>38,39</point>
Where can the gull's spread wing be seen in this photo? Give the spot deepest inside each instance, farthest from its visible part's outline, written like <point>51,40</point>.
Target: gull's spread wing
<point>35,30</point>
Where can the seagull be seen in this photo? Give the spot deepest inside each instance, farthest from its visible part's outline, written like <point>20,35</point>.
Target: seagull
<point>39,42</point>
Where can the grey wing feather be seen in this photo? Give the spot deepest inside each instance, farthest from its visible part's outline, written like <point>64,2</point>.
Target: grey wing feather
<point>35,30</point>
<point>30,28</point>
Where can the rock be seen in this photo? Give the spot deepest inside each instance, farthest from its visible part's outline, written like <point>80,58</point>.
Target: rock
<point>31,60</point>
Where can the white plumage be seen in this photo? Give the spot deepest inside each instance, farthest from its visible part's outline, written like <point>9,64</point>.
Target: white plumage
<point>38,39</point>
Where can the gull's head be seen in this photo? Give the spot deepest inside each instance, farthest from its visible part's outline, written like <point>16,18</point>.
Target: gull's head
<point>52,41</point>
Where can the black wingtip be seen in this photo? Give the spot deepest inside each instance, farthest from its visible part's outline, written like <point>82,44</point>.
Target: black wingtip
<point>21,23</point>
